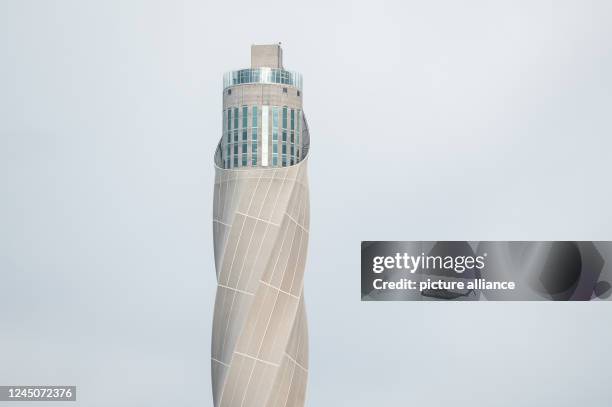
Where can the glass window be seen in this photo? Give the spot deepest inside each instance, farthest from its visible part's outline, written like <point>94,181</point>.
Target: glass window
<point>225,125</point>
<point>235,149</point>
<point>245,115</point>
<point>254,154</point>
<point>229,151</point>
<point>254,124</point>
<point>244,160</point>
<point>235,135</point>
<point>244,148</point>
<point>284,148</point>
<point>284,161</point>
<point>299,126</point>
<point>244,135</point>
<point>262,75</point>
<point>274,123</point>
<point>235,161</point>
<point>235,118</point>
<point>274,116</point>
<point>265,132</point>
<point>284,136</point>
<point>229,119</point>
<point>284,117</point>
<point>292,137</point>
<point>292,150</point>
<point>274,134</point>
<point>292,119</point>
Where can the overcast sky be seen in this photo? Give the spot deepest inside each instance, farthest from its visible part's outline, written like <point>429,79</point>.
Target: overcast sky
<point>429,120</point>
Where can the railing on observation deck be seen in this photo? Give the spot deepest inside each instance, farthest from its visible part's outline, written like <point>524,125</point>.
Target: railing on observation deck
<point>262,75</point>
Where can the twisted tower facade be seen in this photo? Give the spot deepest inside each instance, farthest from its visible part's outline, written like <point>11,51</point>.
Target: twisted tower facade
<point>260,226</point>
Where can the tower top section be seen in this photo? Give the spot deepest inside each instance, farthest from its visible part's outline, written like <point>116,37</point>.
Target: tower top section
<point>266,68</point>
<point>267,56</point>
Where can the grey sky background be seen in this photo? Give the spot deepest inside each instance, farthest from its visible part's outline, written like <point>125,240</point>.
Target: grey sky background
<point>435,120</point>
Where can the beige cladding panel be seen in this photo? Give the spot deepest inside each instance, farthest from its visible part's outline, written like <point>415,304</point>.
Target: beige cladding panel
<point>259,346</point>
<point>262,94</point>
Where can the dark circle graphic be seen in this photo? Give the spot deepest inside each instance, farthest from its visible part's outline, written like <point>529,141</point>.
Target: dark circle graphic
<point>562,268</point>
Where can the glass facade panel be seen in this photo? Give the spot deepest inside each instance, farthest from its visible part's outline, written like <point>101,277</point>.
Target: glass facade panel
<point>224,123</point>
<point>299,127</point>
<point>265,113</point>
<point>274,136</point>
<point>243,129</point>
<point>274,123</point>
<point>262,75</point>
<point>254,119</point>
<point>244,122</point>
<point>228,114</point>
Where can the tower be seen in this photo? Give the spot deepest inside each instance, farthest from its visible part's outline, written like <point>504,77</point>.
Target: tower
<point>260,226</point>
<point>262,113</point>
